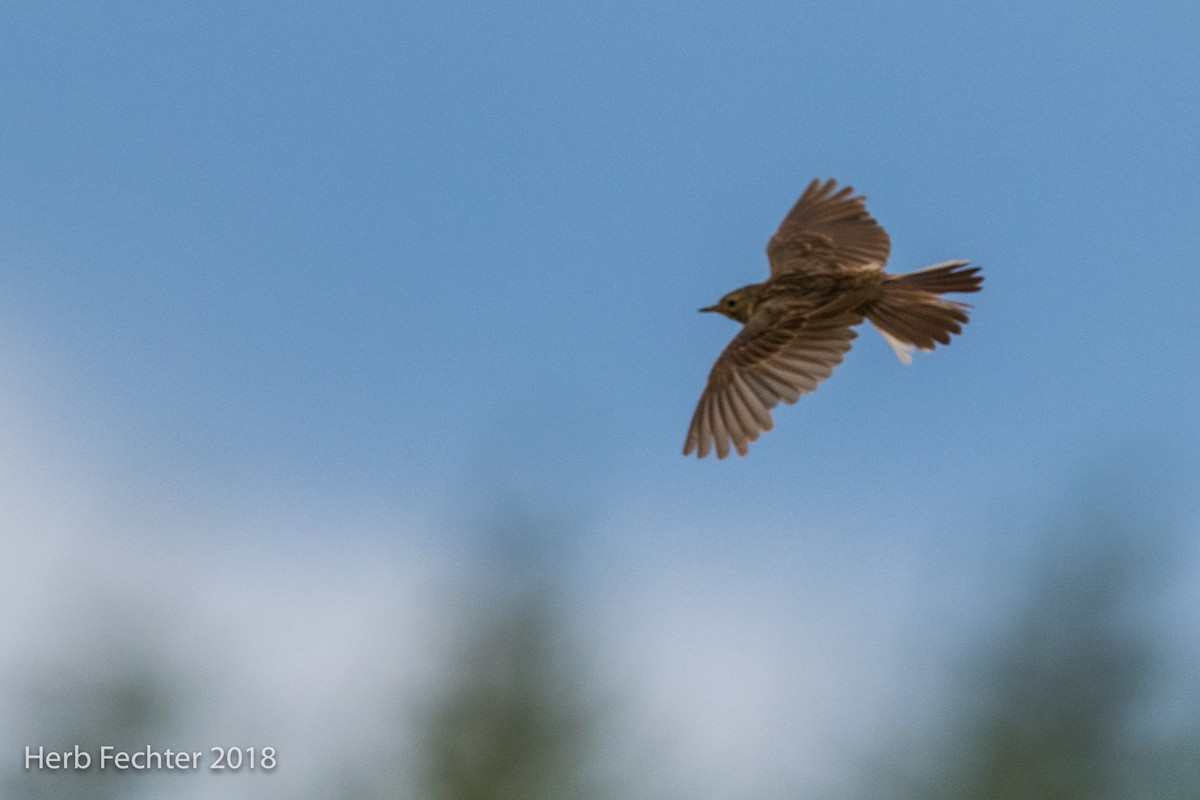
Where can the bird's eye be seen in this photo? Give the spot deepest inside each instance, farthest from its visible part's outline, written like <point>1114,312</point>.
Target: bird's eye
<point>731,303</point>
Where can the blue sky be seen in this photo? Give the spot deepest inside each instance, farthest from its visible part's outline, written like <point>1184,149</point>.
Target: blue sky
<point>365,255</point>
<point>376,244</point>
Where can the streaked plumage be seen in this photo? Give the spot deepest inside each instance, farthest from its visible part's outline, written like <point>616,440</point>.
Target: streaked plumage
<point>827,261</point>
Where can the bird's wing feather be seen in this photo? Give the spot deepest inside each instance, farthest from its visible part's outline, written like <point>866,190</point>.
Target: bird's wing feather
<point>767,362</point>
<point>828,230</point>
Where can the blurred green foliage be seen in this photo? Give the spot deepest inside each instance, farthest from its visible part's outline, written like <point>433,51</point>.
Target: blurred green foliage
<point>1059,700</point>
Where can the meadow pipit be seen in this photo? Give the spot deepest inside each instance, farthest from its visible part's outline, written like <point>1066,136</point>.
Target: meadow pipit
<point>827,276</point>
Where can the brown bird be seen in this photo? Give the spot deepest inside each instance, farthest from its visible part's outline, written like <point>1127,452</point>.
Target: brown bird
<point>827,276</point>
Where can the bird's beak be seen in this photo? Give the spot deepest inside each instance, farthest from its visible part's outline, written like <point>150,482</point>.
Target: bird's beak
<point>710,308</point>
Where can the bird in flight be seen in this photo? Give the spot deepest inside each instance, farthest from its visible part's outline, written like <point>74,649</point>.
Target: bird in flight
<point>827,276</point>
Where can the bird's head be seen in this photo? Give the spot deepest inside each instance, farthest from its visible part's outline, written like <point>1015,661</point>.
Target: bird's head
<point>739,304</point>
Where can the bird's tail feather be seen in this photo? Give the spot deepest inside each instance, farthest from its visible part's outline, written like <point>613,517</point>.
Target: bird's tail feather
<point>910,312</point>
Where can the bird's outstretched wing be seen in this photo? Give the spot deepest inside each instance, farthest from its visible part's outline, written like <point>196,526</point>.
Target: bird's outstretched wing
<point>768,361</point>
<point>828,230</point>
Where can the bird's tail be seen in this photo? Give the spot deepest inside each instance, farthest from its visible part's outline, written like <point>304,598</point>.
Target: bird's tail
<point>911,313</point>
